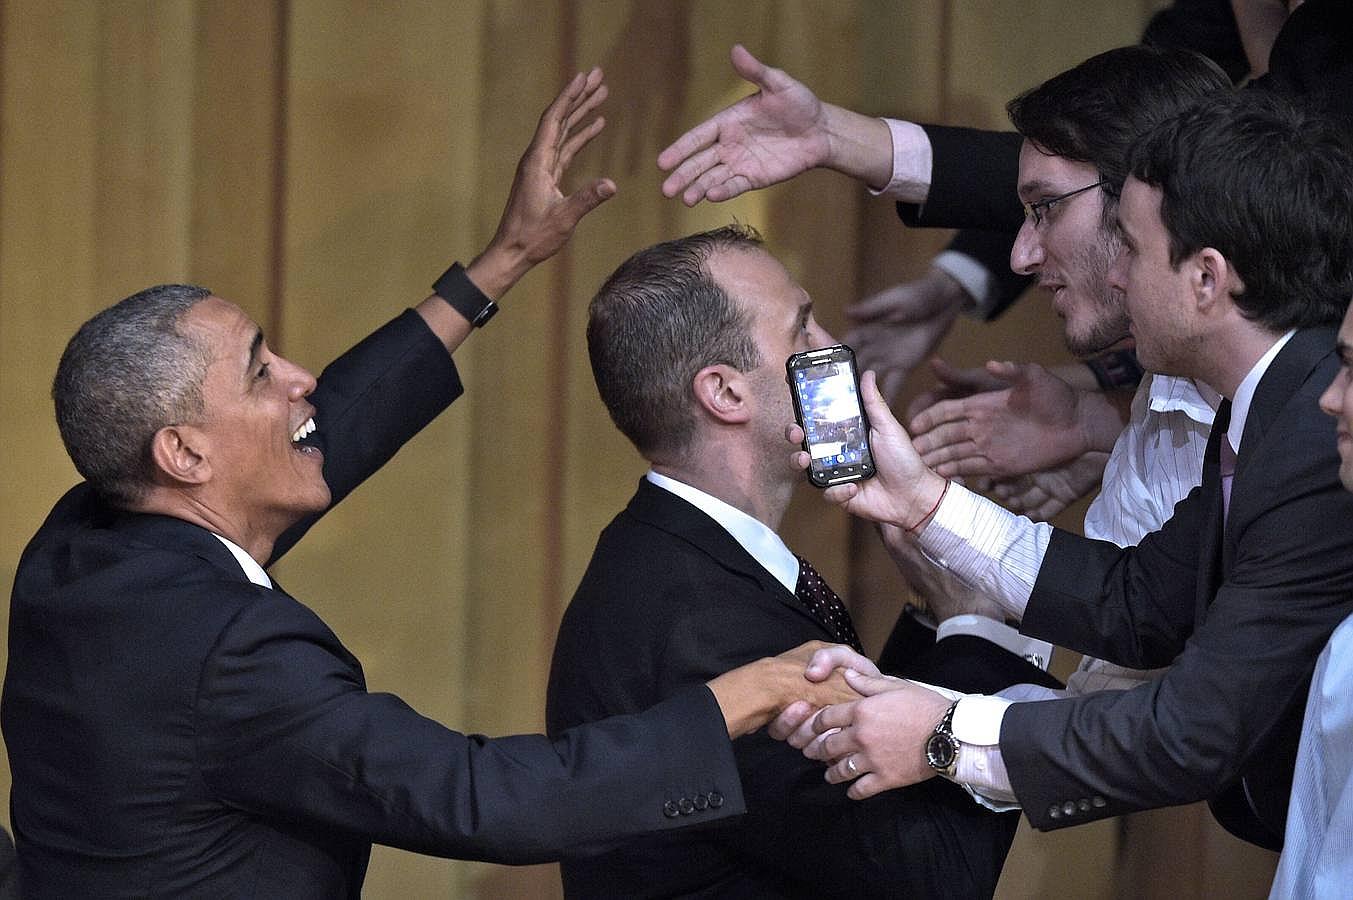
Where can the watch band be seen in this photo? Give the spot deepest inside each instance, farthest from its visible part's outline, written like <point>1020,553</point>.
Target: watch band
<point>456,288</point>
<point>941,750</point>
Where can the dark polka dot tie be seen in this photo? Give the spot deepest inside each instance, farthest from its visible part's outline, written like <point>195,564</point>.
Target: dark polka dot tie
<point>820,600</point>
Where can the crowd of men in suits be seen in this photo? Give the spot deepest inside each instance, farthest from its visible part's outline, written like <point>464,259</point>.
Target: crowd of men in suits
<point>179,725</point>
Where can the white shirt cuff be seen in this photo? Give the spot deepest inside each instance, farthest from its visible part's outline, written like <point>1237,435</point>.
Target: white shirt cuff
<point>981,770</point>
<point>975,279</point>
<point>912,162</point>
<point>1035,651</point>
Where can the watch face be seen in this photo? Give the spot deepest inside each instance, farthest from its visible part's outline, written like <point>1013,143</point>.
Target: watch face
<point>940,751</point>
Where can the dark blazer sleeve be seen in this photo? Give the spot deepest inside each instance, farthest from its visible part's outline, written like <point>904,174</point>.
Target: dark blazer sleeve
<point>926,840</point>
<point>972,181</point>
<point>287,731</point>
<point>371,401</point>
<point>1246,649</point>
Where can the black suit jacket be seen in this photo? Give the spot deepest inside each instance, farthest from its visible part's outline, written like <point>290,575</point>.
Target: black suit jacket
<point>1242,613</point>
<point>669,599</point>
<point>177,731</point>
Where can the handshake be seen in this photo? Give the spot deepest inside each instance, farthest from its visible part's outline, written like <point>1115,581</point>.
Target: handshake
<point>832,703</point>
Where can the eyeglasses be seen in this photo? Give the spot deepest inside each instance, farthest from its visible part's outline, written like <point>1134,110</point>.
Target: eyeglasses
<point>1037,211</point>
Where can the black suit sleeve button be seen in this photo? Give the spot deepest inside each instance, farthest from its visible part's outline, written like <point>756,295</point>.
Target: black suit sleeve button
<point>701,802</point>
<point>1084,805</point>
<point>1054,811</point>
<point>686,806</point>
<point>715,799</point>
<point>669,809</point>
<point>1069,808</point>
<point>1099,803</point>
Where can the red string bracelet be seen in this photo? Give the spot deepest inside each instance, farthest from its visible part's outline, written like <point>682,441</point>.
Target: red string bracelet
<point>923,519</point>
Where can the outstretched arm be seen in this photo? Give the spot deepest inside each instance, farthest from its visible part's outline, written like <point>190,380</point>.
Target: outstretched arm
<point>539,217</point>
<point>771,136</point>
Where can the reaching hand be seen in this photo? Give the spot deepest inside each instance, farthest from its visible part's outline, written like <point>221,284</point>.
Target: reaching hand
<point>1042,495</point>
<point>880,739</point>
<point>954,384</point>
<point>539,218</point>
<point>902,325</point>
<point>944,595</point>
<point>902,490</point>
<point>761,140</point>
<point>1031,425</point>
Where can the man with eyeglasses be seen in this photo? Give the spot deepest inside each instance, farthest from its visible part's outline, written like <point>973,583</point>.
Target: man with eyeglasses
<point>1236,221</point>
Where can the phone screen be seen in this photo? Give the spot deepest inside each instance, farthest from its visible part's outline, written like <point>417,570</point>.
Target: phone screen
<point>827,400</point>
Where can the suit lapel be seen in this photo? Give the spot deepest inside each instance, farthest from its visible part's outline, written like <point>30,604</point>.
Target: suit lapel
<point>666,511</point>
<point>1286,374</point>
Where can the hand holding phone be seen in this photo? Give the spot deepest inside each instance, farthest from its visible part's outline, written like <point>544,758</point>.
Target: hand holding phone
<point>826,391</point>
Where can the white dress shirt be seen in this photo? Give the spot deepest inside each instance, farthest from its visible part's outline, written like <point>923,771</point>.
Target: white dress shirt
<point>1317,858</point>
<point>760,541</point>
<point>1000,553</point>
<point>252,570</point>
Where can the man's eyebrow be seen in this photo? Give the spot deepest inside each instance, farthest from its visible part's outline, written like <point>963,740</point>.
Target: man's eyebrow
<point>1033,186</point>
<point>254,346</point>
<point>1345,351</point>
<point>805,311</point>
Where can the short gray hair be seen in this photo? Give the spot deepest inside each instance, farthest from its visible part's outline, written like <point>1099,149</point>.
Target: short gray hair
<point>127,373</point>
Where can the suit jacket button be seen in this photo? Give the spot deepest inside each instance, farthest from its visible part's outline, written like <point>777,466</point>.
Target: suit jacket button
<point>669,809</point>
<point>1069,808</point>
<point>715,799</point>
<point>702,801</point>
<point>1099,803</point>
<point>1084,805</point>
<point>686,806</point>
<point>1054,811</point>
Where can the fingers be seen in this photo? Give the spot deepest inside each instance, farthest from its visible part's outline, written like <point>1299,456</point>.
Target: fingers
<point>881,306</point>
<point>574,144</point>
<point>790,719</point>
<point>698,140</point>
<point>935,415</point>
<point>693,165</point>
<point>876,408</point>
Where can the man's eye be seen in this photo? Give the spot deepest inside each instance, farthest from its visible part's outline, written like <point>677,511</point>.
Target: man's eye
<point>262,372</point>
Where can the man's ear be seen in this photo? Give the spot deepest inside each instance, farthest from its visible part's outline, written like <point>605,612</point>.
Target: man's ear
<point>1215,281</point>
<point>179,454</point>
<point>722,392</point>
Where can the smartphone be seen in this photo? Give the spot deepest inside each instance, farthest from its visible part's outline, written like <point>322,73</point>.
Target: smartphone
<point>826,391</point>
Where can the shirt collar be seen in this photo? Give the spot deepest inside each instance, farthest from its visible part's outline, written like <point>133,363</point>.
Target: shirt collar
<point>761,542</point>
<point>1172,393</point>
<point>1240,404</point>
<point>252,570</point>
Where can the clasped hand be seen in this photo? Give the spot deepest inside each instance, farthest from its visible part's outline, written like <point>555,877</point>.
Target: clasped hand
<point>878,740</point>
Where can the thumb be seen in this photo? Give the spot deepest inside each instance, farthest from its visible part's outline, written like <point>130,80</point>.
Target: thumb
<point>586,199</point>
<point>869,685</point>
<point>876,408</point>
<point>749,67</point>
<point>1008,371</point>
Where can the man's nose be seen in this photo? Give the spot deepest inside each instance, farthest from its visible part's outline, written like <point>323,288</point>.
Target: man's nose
<point>1026,256</point>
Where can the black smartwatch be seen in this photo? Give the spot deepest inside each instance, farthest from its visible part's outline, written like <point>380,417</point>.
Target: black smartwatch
<point>456,288</point>
<point>941,750</point>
